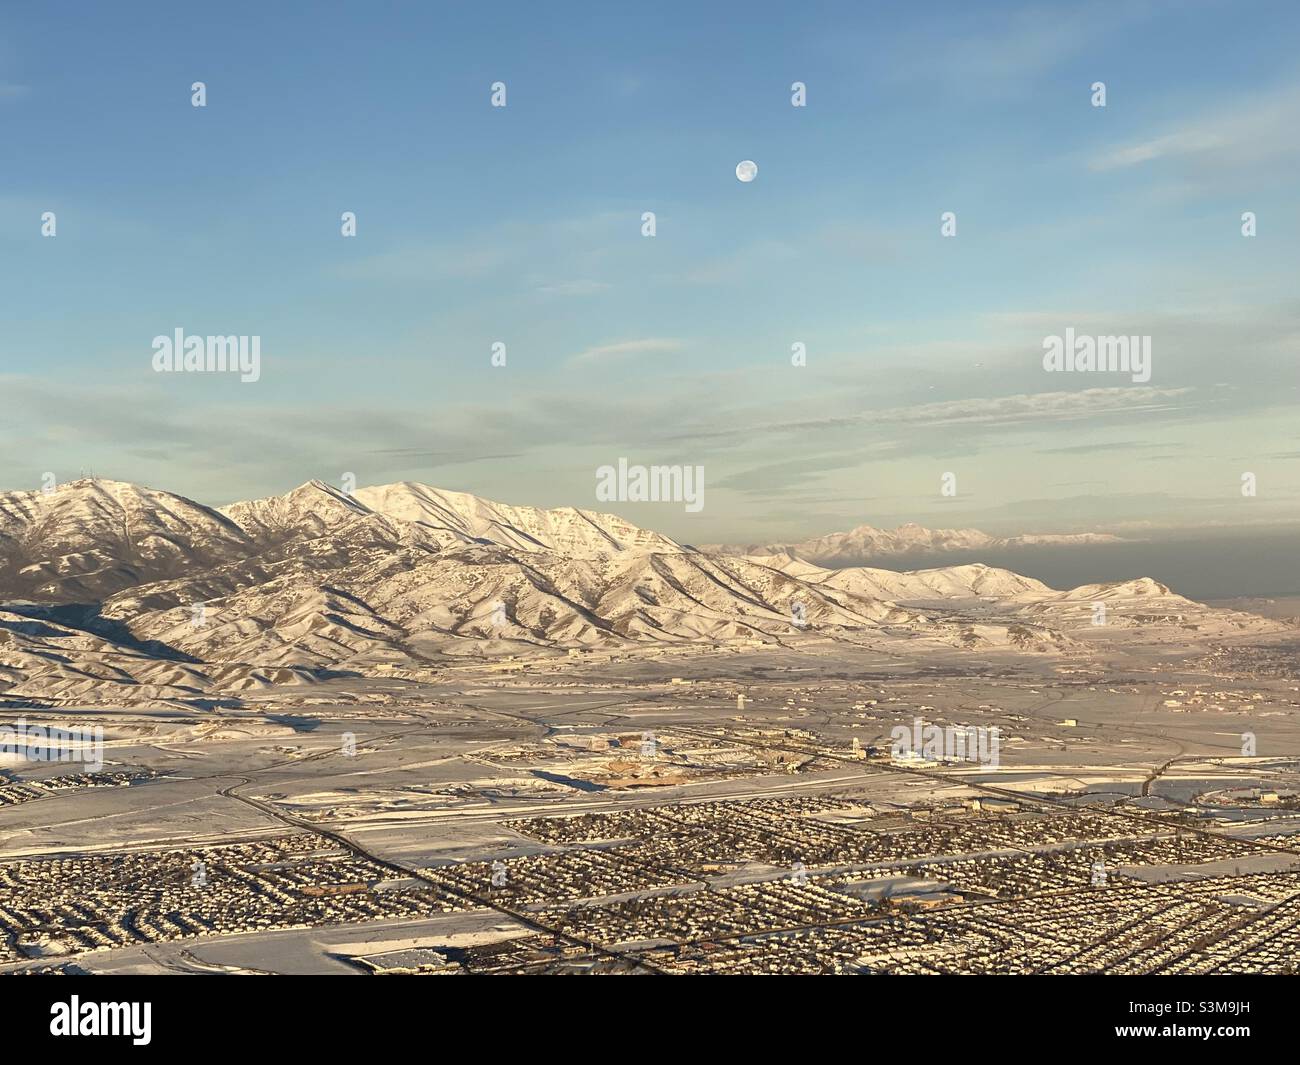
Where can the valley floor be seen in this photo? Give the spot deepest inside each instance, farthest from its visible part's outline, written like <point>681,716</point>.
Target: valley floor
<point>708,812</point>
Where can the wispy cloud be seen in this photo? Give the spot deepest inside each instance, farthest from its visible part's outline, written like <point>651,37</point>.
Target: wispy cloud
<point>752,260</point>
<point>466,262</point>
<point>1003,50</point>
<point>988,412</point>
<point>540,248</point>
<point>1246,133</point>
<point>627,349</point>
<point>574,288</point>
<point>1007,410</point>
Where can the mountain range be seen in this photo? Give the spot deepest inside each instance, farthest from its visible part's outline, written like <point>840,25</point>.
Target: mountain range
<point>114,592</point>
<point>865,543</point>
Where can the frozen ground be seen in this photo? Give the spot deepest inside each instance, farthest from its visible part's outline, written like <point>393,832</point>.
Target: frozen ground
<point>727,834</point>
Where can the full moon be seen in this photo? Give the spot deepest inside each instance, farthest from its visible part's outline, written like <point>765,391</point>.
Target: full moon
<point>747,170</point>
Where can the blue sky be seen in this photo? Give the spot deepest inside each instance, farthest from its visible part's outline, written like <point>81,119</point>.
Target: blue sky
<point>522,225</point>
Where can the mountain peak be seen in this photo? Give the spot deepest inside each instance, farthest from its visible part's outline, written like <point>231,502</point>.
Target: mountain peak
<point>318,488</point>
<point>566,530</point>
<point>93,536</point>
<point>317,580</point>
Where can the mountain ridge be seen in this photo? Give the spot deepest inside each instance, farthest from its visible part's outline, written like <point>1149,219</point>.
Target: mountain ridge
<point>863,543</point>
<point>110,591</point>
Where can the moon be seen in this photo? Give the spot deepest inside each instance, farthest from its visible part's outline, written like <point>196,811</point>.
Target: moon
<point>747,170</point>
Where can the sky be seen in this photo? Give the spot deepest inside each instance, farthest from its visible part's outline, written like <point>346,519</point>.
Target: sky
<point>522,225</point>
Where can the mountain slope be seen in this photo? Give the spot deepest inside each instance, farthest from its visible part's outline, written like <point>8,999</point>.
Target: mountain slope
<point>567,530</point>
<point>87,539</point>
<point>183,602</point>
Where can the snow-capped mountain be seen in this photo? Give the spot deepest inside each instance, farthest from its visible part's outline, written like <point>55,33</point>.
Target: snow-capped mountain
<point>866,543</point>
<point>566,531</point>
<point>109,591</point>
<point>89,538</point>
<point>442,518</point>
